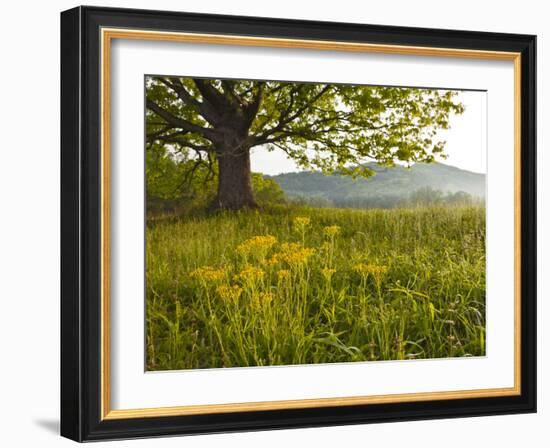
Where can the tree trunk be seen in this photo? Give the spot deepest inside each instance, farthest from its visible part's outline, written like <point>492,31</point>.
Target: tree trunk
<point>234,181</point>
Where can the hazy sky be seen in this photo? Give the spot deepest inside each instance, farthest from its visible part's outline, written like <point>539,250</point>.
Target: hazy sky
<point>465,148</point>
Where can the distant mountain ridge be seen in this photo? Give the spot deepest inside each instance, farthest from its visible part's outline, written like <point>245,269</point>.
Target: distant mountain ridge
<point>388,185</point>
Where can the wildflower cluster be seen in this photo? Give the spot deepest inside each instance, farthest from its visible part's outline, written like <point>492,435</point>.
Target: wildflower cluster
<point>372,269</point>
<point>250,275</point>
<point>328,273</point>
<point>262,299</point>
<point>301,222</point>
<point>208,274</point>
<point>257,245</point>
<point>294,254</point>
<point>270,262</point>
<point>331,231</point>
<point>230,293</point>
<point>283,274</point>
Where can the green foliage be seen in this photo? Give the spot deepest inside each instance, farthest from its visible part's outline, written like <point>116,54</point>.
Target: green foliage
<point>178,184</point>
<point>345,125</point>
<point>267,191</point>
<point>329,127</point>
<point>174,182</point>
<point>302,285</point>
<point>163,174</point>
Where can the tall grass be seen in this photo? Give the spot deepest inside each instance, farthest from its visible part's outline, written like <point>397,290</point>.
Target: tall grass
<point>295,285</point>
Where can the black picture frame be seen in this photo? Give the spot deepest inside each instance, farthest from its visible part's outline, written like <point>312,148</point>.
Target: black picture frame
<point>81,224</point>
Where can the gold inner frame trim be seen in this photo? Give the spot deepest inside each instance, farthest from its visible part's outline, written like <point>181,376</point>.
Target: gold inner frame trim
<point>107,35</point>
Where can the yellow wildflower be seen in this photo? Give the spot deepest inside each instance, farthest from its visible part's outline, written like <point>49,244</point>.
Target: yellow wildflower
<point>283,274</point>
<point>208,274</point>
<point>373,269</point>
<point>328,273</point>
<point>301,222</point>
<point>270,262</point>
<point>257,245</point>
<point>250,274</point>
<point>290,247</point>
<point>294,254</point>
<point>230,293</point>
<point>331,231</point>
<point>262,299</point>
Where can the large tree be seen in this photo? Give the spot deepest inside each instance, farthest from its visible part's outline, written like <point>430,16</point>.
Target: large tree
<point>331,127</point>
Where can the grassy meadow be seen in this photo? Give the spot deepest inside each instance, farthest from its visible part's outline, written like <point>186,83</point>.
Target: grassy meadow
<point>298,285</point>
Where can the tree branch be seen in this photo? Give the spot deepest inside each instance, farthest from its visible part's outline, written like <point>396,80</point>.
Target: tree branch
<point>204,108</point>
<point>179,122</point>
<point>252,109</point>
<point>232,98</point>
<point>284,121</point>
<point>209,93</point>
<point>175,138</point>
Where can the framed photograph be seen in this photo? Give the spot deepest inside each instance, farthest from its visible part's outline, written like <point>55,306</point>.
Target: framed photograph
<point>273,223</point>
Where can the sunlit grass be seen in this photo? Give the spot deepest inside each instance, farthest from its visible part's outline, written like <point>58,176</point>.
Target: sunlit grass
<point>295,285</point>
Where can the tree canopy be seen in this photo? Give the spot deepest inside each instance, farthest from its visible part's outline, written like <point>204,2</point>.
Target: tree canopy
<point>213,124</point>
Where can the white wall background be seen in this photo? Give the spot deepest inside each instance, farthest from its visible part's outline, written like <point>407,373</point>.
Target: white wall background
<point>29,222</point>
